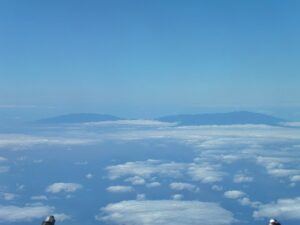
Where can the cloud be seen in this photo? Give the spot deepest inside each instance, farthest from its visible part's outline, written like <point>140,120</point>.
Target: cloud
<point>8,196</point>
<point>217,188</point>
<point>245,201</point>
<point>140,197</point>
<point>177,197</point>
<point>242,178</point>
<point>13,213</point>
<point>63,187</point>
<point>145,169</point>
<point>283,208</point>
<point>89,176</point>
<point>4,169</point>
<point>22,141</point>
<point>165,212</point>
<point>138,122</point>
<point>153,184</point>
<point>119,189</point>
<point>295,178</point>
<point>205,173</point>
<point>3,159</point>
<point>178,186</point>
<point>234,194</point>
<point>136,180</point>
<point>39,197</point>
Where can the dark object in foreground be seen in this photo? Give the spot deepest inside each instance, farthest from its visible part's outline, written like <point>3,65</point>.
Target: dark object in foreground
<point>274,222</point>
<point>50,220</point>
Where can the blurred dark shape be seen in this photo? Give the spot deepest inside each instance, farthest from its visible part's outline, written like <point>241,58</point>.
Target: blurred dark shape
<point>50,220</point>
<point>274,222</point>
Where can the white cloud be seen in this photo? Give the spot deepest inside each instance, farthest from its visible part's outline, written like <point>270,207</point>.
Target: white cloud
<point>119,189</point>
<point>21,141</point>
<point>138,122</point>
<point>245,201</point>
<point>178,186</point>
<point>153,184</point>
<point>8,196</point>
<point>140,197</point>
<point>242,178</point>
<point>89,176</point>
<point>39,197</point>
<point>63,187</point>
<point>3,159</point>
<point>205,173</point>
<point>217,188</point>
<point>145,169</point>
<point>13,213</point>
<point>282,208</point>
<point>165,212</point>
<point>177,197</point>
<point>234,194</point>
<point>136,180</point>
<point>295,178</point>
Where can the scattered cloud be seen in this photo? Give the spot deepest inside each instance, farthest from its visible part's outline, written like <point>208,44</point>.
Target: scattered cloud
<point>89,176</point>
<point>8,196</point>
<point>39,198</point>
<point>136,180</point>
<point>234,194</point>
<point>283,208</point>
<point>165,212</point>
<point>177,197</point>
<point>63,187</point>
<point>242,178</point>
<point>119,189</point>
<point>13,213</point>
<point>178,186</point>
<point>153,184</point>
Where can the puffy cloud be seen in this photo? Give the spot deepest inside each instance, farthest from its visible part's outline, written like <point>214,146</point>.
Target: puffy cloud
<point>165,212</point>
<point>146,169</point>
<point>283,208</point>
<point>136,180</point>
<point>39,197</point>
<point>178,186</point>
<point>13,213</point>
<point>140,197</point>
<point>205,173</point>
<point>295,178</point>
<point>217,188</point>
<point>177,197</point>
<point>242,178</point>
<point>153,184</point>
<point>247,202</point>
<point>63,187</point>
<point>8,196</point>
<point>119,189</point>
<point>234,194</point>
<point>89,176</point>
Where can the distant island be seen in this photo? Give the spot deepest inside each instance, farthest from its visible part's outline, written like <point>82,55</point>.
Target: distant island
<point>78,118</point>
<point>231,118</point>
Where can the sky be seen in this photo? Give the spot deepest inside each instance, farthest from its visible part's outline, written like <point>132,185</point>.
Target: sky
<point>149,58</point>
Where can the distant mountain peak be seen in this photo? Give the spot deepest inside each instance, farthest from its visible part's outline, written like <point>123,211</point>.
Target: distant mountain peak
<point>230,118</point>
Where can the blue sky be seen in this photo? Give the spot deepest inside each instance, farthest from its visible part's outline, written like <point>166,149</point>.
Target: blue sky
<point>146,58</point>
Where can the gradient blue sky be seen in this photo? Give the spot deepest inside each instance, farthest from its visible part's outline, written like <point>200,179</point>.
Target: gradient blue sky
<point>146,58</point>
